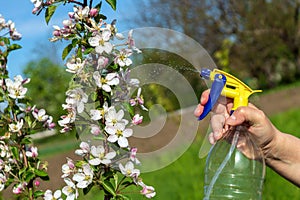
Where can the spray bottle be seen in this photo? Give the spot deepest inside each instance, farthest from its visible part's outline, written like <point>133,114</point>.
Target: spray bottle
<point>235,166</point>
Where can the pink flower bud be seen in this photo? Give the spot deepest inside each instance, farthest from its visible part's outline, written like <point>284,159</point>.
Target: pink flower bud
<point>34,11</point>
<point>37,183</point>
<point>56,33</point>
<point>93,12</point>
<point>137,119</point>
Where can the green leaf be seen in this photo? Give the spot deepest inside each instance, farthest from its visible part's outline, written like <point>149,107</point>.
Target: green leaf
<point>14,47</point>
<point>49,13</point>
<point>121,196</point>
<point>94,96</point>
<point>88,51</point>
<point>87,189</point>
<point>129,108</point>
<point>15,152</point>
<point>109,187</point>
<point>26,140</point>
<point>66,51</point>
<point>42,174</point>
<point>112,3</point>
<point>38,193</point>
<point>29,175</point>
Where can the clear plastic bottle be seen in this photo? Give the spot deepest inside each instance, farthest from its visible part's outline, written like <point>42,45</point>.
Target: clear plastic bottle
<point>235,168</point>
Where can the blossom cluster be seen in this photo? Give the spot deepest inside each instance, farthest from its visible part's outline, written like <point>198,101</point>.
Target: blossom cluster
<point>99,103</point>
<point>20,165</point>
<point>12,31</point>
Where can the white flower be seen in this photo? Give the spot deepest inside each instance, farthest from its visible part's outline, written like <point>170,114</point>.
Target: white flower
<point>100,156</point>
<point>80,13</point>
<point>4,150</point>
<point>123,58</point>
<point>68,168</point>
<point>148,191</point>
<point>48,195</point>
<point>32,153</point>
<point>69,118</point>
<point>84,149</point>
<point>70,189</point>
<point>129,170</point>
<point>85,177</point>
<point>119,134</point>
<point>75,66</point>
<point>100,42</point>
<point>2,181</point>
<point>99,114</point>
<point>16,127</point>
<point>40,115</point>
<point>15,88</point>
<point>77,98</point>
<point>112,117</point>
<point>105,82</point>
<point>37,3</point>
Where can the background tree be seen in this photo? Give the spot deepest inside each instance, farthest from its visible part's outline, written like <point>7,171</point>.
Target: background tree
<point>265,34</point>
<point>48,84</point>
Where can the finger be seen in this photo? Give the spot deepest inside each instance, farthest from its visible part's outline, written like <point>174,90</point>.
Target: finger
<point>204,97</point>
<point>246,114</point>
<point>198,111</point>
<point>211,139</point>
<point>217,124</point>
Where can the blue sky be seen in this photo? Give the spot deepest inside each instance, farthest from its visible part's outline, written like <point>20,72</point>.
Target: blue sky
<point>35,31</point>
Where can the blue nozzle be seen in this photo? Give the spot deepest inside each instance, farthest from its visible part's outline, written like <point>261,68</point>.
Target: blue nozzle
<point>215,92</point>
<point>205,73</point>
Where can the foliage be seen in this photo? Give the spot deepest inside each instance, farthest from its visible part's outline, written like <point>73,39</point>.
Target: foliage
<point>265,42</point>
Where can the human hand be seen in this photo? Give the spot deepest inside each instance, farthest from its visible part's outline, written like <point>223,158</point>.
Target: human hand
<point>249,116</point>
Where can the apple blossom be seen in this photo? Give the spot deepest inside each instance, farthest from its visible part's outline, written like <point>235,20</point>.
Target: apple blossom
<point>85,177</point>
<point>106,82</point>
<point>123,58</point>
<point>101,42</point>
<point>70,190</point>
<point>99,156</point>
<point>32,153</point>
<point>75,66</point>
<point>40,115</point>
<point>129,170</point>
<point>3,180</point>
<point>16,127</point>
<point>84,149</point>
<point>112,117</point>
<point>48,195</point>
<point>118,133</point>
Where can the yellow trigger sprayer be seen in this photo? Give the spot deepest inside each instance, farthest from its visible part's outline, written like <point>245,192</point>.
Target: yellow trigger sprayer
<point>228,86</point>
<point>235,166</point>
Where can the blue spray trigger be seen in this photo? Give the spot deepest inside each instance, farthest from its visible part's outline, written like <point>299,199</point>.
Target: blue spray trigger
<point>215,92</point>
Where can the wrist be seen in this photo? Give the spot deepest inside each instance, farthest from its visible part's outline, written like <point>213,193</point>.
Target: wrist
<point>271,149</point>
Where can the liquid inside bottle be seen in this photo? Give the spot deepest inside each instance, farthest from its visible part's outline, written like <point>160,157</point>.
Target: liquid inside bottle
<point>235,168</point>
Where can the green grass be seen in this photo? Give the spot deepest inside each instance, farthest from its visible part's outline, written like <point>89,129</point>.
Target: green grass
<point>183,179</point>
